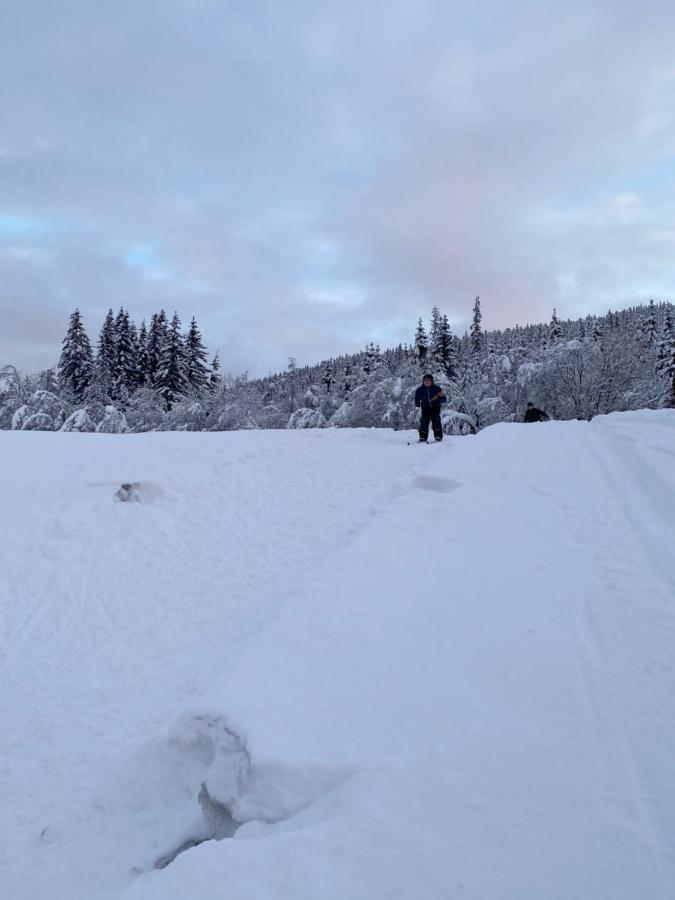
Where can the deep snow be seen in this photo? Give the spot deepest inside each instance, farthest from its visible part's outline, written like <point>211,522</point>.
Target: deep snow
<point>403,673</point>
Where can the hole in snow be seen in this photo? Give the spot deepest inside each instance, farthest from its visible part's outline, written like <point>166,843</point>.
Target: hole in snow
<point>217,820</point>
<point>233,790</point>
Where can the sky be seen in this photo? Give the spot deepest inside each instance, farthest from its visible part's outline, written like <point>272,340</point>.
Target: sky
<point>306,177</point>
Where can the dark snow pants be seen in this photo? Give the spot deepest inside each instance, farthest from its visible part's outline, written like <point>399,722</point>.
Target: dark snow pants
<point>431,413</point>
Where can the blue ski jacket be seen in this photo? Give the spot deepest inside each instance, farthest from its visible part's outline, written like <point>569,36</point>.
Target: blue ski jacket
<point>424,396</point>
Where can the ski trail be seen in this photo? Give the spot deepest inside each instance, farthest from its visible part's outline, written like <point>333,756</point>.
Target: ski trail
<point>628,498</point>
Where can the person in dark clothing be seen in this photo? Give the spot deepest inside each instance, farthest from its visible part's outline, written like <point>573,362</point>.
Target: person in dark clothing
<point>428,398</point>
<point>533,414</point>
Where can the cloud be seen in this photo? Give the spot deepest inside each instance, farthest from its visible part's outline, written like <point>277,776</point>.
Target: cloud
<point>304,179</point>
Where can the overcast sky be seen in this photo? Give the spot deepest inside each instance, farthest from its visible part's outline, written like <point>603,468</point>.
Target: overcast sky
<point>305,177</point>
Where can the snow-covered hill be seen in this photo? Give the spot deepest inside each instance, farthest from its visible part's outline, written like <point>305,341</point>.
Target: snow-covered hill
<point>412,673</point>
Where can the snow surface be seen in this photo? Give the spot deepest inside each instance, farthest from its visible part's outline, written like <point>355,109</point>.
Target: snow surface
<point>387,671</point>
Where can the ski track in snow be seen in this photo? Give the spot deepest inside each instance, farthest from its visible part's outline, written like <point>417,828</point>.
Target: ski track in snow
<point>450,673</point>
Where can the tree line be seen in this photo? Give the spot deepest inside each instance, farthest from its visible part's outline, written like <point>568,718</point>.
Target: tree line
<point>158,378</point>
<point>159,358</point>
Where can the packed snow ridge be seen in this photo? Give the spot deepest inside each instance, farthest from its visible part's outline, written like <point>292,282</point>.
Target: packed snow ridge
<point>326,665</point>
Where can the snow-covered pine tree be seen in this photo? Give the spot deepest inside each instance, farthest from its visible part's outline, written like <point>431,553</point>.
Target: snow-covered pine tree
<point>596,332</point>
<point>76,364</point>
<point>347,380</point>
<point>136,344</point>
<point>649,327</point>
<point>125,379</point>
<point>171,378</point>
<point>197,370</point>
<point>367,361</point>
<point>666,358</point>
<point>142,358</point>
<point>434,327</point>
<point>555,331</point>
<point>421,342</point>
<point>157,338</point>
<point>214,378</point>
<point>443,349</point>
<point>292,370</point>
<point>475,333</point>
<point>106,357</point>
<point>328,377</point>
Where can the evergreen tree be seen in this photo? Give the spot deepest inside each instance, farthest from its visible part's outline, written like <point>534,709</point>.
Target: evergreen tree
<point>125,376</point>
<point>475,333</point>
<point>157,338</point>
<point>372,359</point>
<point>292,370</point>
<point>106,357</point>
<point>421,343</point>
<point>443,349</point>
<point>649,328</point>
<point>328,378</point>
<point>215,369</point>
<point>197,371</point>
<point>143,359</point>
<point>596,331</point>
<point>347,380</point>
<point>555,331</point>
<point>76,364</point>
<point>666,358</point>
<point>434,327</point>
<point>171,379</point>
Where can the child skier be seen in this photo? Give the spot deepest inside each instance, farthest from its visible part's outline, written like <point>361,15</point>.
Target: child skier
<point>429,397</point>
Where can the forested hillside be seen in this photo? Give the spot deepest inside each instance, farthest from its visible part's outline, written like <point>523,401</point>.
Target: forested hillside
<point>158,377</point>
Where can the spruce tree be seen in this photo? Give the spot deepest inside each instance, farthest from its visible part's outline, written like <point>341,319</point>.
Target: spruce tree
<point>328,378</point>
<point>76,364</point>
<point>143,360</point>
<point>214,378</point>
<point>368,359</point>
<point>125,378</point>
<point>434,327</point>
<point>649,327</point>
<point>373,358</point>
<point>666,358</point>
<point>555,331</point>
<point>347,380</point>
<point>196,368</point>
<point>421,342</point>
<point>596,331</point>
<point>157,337</point>
<point>475,333</point>
<point>171,377</point>
<point>292,370</point>
<point>443,349</point>
<point>106,358</point>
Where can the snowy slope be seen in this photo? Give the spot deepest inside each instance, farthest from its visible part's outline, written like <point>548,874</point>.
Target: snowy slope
<point>405,672</point>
